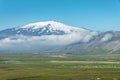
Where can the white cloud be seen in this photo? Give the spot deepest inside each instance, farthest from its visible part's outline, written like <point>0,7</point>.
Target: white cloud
<point>106,37</point>
<point>31,42</point>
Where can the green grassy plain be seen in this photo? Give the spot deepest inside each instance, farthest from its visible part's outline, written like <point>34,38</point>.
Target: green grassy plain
<point>59,67</point>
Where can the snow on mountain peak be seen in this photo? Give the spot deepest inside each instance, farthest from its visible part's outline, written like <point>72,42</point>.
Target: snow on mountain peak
<point>40,24</point>
<point>53,25</point>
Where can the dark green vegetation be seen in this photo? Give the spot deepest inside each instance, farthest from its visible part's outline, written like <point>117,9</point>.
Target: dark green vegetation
<point>59,67</point>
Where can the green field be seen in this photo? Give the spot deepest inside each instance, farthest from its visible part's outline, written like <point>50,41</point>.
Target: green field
<point>59,67</point>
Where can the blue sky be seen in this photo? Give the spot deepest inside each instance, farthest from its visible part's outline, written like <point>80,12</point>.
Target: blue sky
<point>100,15</point>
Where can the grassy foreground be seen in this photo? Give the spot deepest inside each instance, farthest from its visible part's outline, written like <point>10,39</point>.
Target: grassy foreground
<point>59,67</point>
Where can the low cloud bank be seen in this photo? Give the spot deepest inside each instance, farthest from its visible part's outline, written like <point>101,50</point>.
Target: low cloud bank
<point>22,42</point>
<point>106,37</point>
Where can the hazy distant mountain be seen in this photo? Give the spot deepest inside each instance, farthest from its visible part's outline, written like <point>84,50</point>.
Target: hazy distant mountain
<point>54,36</point>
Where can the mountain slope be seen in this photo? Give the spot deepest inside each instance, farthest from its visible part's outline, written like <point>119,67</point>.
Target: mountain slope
<point>51,36</point>
<point>42,28</point>
<point>48,29</point>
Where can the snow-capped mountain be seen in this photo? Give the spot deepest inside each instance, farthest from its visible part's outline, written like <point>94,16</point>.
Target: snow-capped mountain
<point>52,26</point>
<point>42,28</point>
<point>52,35</point>
<point>46,28</point>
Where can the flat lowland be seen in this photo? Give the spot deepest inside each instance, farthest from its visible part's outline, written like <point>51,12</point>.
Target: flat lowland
<point>59,67</point>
